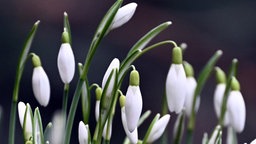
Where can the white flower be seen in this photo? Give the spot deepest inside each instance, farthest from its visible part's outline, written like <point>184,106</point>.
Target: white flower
<point>236,110</point>
<point>133,107</point>
<point>113,65</point>
<point>41,86</point>
<point>83,131</point>
<point>158,128</point>
<point>58,128</point>
<point>253,142</point>
<point>176,88</point>
<point>25,114</point>
<point>132,136</point>
<point>123,15</point>
<point>191,86</point>
<point>66,63</point>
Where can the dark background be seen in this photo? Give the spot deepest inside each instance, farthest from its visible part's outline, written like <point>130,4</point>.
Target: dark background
<point>204,25</point>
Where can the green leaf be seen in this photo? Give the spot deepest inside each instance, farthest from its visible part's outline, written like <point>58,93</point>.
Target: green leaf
<point>67,26</point>
<point>27,124</point>
<point>38,136</point>
<point>142,42</point>
<point>99,34</point>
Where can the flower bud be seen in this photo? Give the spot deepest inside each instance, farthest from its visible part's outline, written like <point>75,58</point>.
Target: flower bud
<point>83,133</point>
<point>158,128</point>
<point>123,15</point>
<point>25,117</point>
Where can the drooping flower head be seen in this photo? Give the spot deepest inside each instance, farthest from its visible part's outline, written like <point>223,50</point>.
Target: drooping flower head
<point>40,82</point>
<point>176,83</point>
<point>66,60</point>
<point>236,107</point>
<point>190,89</point>
<point>133,104</point>
<point>219,93</point>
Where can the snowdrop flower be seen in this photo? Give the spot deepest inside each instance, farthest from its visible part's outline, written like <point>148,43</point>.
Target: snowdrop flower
<point>190,89</point>
<point>236,107</point>
<point>83,133</point>
<point>25,117</point>
<point>40,82</point>
<point>123,15</point>
<point>132,136</point>
<point>58,127</point>
<point>133,104</point>
<point>107,132</point>
<point>98,93</point>
<point>66,60</point>
<point>113,66</point>
<point>176,83</point>
<point>216,135</point>
<point>253,142</point>
<point>219,93</point>
<point>158,128</point>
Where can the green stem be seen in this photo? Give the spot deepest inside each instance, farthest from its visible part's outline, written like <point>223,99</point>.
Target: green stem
<point>65,100</point>
<point>72,111</point>
<point>232,72</point>
<point>164,138</point>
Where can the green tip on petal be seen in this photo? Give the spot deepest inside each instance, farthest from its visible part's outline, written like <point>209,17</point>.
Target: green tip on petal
<point>98,93</point>
<point>188,69</point>
<point>35,60</point>
<point>134,78</point>
<point>177,55</point>
<point>220,75</point>
<point>122,99</point>
<point>65,37</point>
<point>235,85</point>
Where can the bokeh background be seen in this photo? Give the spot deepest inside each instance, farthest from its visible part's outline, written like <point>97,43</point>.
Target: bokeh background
<point>204,25</point>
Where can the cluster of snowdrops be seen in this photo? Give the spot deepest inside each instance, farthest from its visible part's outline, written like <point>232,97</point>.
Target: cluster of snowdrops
<point>182,92</point>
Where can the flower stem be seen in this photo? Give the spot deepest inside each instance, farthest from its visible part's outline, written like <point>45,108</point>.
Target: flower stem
<point>65,100</point>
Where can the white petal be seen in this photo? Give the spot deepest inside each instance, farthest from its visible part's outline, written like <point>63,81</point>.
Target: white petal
<point>123,15</point>
<point>27,123</point>
<point>175,88</point>
<point>236,110</point>
<point>66,63</point>
<point>21,111</point>
<point>41,86</point>
<point>253,142</point>
<point>97,110</point>
<point>132,136</point>
<point>113,65</point>
<point>133,107</point>
<point>104,134</point>
<point>191,86</point>
<point>83,133</point>
<point>158,128</point>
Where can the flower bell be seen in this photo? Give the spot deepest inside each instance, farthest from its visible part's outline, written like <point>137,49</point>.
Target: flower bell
<point>123,15</point>
<point>190,89</point>
<point>236,107</point>
<point>158,128</point>
<point>219,93</point>
<point>133,104</point>
<point>132,136</point>
<point>83,133</point>
<point>114,65</point>
<point>66,59</point>
<point>176,83</point>
<point>40,82</point>
<point>25,117</point>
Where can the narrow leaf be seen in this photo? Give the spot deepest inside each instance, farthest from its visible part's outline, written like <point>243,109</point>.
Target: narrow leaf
<point>38,136</point>
<point>67,26</point>
<point>150,128</point>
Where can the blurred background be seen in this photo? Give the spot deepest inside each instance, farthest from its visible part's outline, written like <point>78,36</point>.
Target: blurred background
<point>204,25</point>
